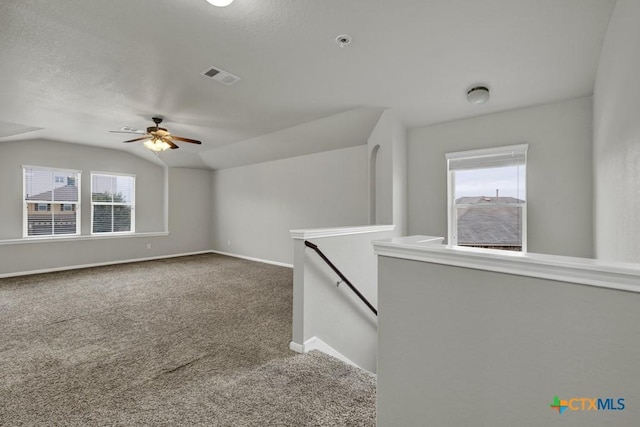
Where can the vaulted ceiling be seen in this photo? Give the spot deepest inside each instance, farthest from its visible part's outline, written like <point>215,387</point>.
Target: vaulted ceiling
<point>73,70</point>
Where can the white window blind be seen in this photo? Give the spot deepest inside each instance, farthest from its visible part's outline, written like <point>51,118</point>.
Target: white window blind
<point>512,155</point>
<point>51,201</point>
<point>112,203</point>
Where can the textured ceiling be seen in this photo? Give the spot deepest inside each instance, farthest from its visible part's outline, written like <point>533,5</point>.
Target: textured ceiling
<point>76,69</point>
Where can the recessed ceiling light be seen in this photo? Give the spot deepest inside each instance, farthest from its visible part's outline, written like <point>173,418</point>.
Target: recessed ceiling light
<point>220,3</point>
<point>478,94</point>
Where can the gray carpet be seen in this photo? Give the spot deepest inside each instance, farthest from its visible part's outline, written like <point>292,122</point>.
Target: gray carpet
<point>198,340</point>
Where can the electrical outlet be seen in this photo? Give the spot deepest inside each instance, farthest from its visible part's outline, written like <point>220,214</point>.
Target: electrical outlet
<point>148,245</point>
<point>228,242</point>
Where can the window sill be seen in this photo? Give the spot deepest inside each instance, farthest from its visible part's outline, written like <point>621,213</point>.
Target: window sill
<point>26,240</point>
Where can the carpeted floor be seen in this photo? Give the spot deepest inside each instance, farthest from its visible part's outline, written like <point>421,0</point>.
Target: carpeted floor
<point>198,340</point>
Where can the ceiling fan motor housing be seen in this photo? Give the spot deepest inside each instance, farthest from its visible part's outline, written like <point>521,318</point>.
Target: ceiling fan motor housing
<point>155,129</point>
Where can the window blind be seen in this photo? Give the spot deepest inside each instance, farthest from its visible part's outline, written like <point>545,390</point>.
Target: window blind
<point>512,155</point>
<point>112,200</point>
<point>46,192</point>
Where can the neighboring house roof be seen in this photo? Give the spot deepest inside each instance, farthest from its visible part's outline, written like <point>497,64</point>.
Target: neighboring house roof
<point>62,194</point>
<point>475,200</point>
<point>489,225</point>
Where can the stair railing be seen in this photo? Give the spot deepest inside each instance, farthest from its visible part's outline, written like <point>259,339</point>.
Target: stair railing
<point>342,277</point>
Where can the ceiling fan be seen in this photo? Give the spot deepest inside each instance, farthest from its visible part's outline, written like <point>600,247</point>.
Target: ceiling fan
<point>157,138</point>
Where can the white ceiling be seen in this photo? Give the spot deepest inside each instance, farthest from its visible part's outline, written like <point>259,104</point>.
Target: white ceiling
<point>72,70</point>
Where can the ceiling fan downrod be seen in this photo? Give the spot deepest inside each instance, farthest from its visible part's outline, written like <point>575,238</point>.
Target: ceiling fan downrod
<point>157,121</point>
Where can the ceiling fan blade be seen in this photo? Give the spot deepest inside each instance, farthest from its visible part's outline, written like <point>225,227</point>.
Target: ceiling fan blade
<point>138,139</point>
<point>127,131</point>
<point>168,141</point>
<point>179,138</point>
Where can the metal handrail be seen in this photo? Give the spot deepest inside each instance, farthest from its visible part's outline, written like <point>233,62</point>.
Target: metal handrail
<point>339,273</point>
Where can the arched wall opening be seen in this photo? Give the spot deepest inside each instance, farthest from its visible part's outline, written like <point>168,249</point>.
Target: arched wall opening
<point>372,184</point>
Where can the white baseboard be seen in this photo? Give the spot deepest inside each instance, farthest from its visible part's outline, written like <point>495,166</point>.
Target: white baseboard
<point>316,343</point>
<point>249,258</point>
<point>126,261</point>
<point>98,264</point>
<point>298,348</point>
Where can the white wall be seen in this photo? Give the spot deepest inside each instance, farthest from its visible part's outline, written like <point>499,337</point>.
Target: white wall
<point>390,193</point>
<point>188,207</point>
<point>335,314</point>
<point>465,347</point>
<point>617,138</point>
<point>189,210</point>
<point>559,171</point>
<point>382,138</point>
<point>400,177</point>
<point>254,207</point>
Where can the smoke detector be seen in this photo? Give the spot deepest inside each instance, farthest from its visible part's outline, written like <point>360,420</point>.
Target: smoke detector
<point>478,94</point>
<point>343,40</point>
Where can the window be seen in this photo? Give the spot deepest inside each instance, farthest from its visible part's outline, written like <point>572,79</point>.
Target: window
<point>112,203</point>
<point>47,192</point>
<point>487,198</point>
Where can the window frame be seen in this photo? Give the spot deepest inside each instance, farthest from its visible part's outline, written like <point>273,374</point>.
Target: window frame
<point>51,204</point>
<point>516,151</point>
<point>132,204</point>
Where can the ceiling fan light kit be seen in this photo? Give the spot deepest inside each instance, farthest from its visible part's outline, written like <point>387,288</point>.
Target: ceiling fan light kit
<point>156,144</point>
<point>220,3</point>
<point>159,139</point>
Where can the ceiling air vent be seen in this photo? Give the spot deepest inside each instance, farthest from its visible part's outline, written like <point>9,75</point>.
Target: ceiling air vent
<point>220,75</point>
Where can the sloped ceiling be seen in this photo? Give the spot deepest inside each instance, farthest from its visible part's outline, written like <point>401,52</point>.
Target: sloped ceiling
<point>76,69</point>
